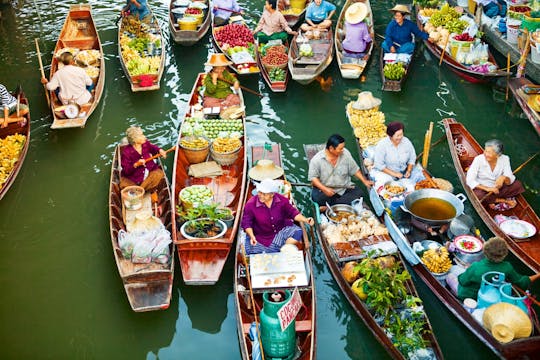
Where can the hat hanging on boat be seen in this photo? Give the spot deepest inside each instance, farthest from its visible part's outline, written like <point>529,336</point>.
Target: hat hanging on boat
<point>265,169</point>
<point>356,13</point>
<point>401,8</point>
<point>218,60</point>
<point>534,102</point>
<point>366,101</point>
<point>268,186</point>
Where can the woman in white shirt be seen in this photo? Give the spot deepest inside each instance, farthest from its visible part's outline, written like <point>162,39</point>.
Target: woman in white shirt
<point>491,173</point>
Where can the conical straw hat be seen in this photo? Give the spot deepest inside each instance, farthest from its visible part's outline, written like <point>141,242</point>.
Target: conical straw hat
<point>356,13</point>
<point>265,169</point>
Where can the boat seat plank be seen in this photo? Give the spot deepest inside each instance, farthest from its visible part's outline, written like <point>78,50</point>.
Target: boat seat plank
<point>300,326</point>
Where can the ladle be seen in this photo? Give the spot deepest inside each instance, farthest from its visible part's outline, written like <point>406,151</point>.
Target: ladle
<point>330,211</point>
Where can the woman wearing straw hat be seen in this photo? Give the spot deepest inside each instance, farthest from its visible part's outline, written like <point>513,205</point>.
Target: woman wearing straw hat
<point>330,172</point>
<point>399,32</point>
<point>135,169</point>
<point>268,220</point>
<point>217,84</point>
<point>357,36</point>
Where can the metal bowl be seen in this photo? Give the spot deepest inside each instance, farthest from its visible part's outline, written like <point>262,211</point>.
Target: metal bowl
<point>339,207</point>
<point>394,183</point>
<point>455,200</point>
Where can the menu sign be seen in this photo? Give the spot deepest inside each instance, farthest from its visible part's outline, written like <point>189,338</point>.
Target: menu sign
<point>288,312</point>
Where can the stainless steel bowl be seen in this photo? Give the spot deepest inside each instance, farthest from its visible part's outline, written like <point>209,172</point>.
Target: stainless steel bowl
<point>455,200</point>
<point>339,207</point>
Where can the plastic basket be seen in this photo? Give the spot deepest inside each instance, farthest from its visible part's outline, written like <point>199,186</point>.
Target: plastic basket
<point>531,24</point>
<point>225,158</point>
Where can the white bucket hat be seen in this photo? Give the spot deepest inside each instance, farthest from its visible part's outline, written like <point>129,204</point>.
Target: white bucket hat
<point>356,13</point>
<point>268,186</point>
<point>366,101</point>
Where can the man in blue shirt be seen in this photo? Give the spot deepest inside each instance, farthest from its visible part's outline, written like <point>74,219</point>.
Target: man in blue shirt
<point>318,15</point>
<point>399,32</point>
<point>137,8</point>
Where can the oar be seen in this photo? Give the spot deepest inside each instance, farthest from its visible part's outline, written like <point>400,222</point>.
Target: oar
<point>158,155</point>
<point>42,72</point>
<point>244,256</point>
<point>393,42</point>
<point>515,172</point>
<point>443,50</point>
<point>224,9</point>
<point>333,187</point>
<point>508,77</point>
<point>245,88</point>
<point>443,137</point>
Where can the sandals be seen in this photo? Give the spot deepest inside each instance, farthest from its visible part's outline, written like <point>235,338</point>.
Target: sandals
<point>503,204</point>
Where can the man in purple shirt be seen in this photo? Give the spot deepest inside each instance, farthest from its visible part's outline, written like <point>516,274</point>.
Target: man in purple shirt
<point>223,9</point>
<point>268,220</point>
<point>135,169</point>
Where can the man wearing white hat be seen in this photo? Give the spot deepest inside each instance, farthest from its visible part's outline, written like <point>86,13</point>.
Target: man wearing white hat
<point>330,173</point>
<point>268,220</point>
<point>399,32</point>
<point>357,36</point>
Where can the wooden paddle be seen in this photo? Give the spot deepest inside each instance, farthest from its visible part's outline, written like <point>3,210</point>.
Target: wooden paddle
<point>443,50</point>
<point>244,88</point>
<point>393,42</point>
<point>224,9</point>
<point>333,187</point>
<point>158,155</point>
<point>42,72</point>
<point>514,172</point>
<point>508,77</point>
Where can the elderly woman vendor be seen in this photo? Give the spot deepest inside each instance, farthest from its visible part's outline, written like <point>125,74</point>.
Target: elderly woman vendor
<point>490,173</point>
<point>395,157</point>
<point>268,220</point>
<point>135,169</point>
<point>218,83</point>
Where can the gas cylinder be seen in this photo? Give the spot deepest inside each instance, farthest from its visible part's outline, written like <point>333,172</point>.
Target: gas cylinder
<point>489,293</point>
<point>507,297</point>
<point>277,344</point>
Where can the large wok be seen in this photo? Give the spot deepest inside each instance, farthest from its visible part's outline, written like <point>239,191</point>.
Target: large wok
<point>455,200</point>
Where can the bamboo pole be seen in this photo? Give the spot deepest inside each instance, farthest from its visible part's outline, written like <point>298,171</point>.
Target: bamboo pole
<point>427,143</point>
<point>42,72</point>
<point>508,77</point>
<point>444,50</point>
<point>523,58</point>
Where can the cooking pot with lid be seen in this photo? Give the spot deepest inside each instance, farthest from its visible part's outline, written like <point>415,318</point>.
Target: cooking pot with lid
<point>455,201</point>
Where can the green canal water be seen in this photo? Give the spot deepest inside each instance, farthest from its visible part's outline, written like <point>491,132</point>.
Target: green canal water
<point>61,296</point>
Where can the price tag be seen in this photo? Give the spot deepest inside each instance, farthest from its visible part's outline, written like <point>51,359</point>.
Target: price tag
<point>288,312</point>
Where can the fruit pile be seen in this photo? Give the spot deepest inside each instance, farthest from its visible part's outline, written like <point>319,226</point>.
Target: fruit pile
<point>194,143</point>
<point>444,22</point>
<point>193,11</point>
<point>275,56</point>
<point>234,35</point>
<point>212,128</point>
<point>437,260</point>
<point>196,194</point>
<point>226,145</point>
<point>277,74</point>
<point>394,71</point>
<point>368,125</point>
<point>140,49</point>
<point>10,150</point>
<point>464,37</point>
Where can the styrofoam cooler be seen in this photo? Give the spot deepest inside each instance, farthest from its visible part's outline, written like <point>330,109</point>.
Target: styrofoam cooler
<point>512,30</point>
<point>535,52</point>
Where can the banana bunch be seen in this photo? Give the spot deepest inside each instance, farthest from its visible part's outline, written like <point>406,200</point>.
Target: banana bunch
<point>394,71</point>
<point>368,125</point>
<point>427,12</point>
<point>437,260</point>
<point>10,150</point>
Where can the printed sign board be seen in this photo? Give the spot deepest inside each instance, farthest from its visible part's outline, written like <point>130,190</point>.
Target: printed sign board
<point>288,312</point>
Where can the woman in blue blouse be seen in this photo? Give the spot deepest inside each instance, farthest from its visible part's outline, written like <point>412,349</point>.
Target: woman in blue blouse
<point>318,15</point>
<point>399,32</point>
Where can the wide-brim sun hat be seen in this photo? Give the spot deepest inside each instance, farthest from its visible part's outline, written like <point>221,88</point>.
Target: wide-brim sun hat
<point>267,186</point>
<point>401,8</point>
<point>534,102</point>
<point>265,169</point>
<point>366,101</point>
<point>356,13</point>
<point>218,60</point>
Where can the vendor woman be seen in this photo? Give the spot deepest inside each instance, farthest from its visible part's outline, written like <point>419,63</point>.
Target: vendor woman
<point>272,25</point>
<point>268,220</point>
<point>218,82</point>
<point>395,157</point>
<point>135,169</point>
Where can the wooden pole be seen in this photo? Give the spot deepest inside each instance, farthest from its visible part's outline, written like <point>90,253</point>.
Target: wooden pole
<point>444,50</point>
<point>508,77</point>
<point>523,58</point>
<point>158,155</point>
<point>441,139</point>
<point>42,72</point>
<point>427,143</point>
<point>245,88</point>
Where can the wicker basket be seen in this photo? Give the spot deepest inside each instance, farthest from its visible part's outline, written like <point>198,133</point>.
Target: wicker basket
<point>195,156</point>
<point>225,158</point>
<point>270,67</point>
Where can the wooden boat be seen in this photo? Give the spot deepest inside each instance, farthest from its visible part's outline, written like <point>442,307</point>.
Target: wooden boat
<point>292,13</point>
<point>148,286</point>
<point>394,85</point>
<point>305,69</point>
<point>527,250</point>
<point>306,318</point>
<point>15,125</point>
<point>79,32</point>
<point>336,259</point>
<point>240,68</point>
<point>187,37</point>
<point>274,85</point>
<point>129,28</point>
<point>352,68</point>
<point>202,260</point>
<point>461,70</point>
<point>517,349</point>
<point>516,85</point>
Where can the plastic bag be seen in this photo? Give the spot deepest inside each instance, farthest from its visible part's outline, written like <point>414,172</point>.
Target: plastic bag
<point>126,243</point>
<point>160,252</point>
<point>142,252</point>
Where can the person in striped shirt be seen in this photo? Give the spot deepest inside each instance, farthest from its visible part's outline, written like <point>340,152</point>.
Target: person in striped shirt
<point>8,104</point>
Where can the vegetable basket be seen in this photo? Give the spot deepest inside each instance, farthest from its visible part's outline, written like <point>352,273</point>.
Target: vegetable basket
<point>195,156</point>
<point>269,67</point>
<point>225,158</point>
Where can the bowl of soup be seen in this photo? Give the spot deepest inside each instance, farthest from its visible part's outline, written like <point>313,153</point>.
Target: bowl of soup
<point>434,206</point>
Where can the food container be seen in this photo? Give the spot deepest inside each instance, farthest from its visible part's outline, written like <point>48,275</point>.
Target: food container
<point>441,277</point>
<point>198,17</point>
<point>188,23</point>
<point>394,188</point>
<point>225,158</point>
<point>341,210</point>
<point>132,197</point>
<point>433,206</point>
<point>189,203</point>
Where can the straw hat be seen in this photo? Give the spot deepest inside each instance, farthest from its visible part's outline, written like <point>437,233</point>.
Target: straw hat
<point>366,101</point>
<point>268,186</point>
<point>401,8</point>
<point>265,169</point>
<point>218,60</point>
<point>356,13</point>
<point>534,102</point>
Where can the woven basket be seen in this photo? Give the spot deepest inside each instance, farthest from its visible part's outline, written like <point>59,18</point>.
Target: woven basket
<point>195,156</point>
<point>225,158</point>
<point>270,67</point>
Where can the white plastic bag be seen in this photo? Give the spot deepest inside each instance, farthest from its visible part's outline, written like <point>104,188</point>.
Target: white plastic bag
<point>126,244</point>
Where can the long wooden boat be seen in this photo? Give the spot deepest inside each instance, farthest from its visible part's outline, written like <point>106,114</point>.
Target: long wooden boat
<point>352,68</point>
<point>527,250</point>
<point>394,85</point>
<point>306,319</point>
<point>458,68</point>
<point>79,32</point>
<point>187,37</point>
<point>516,85</point>
<point>240,68</point>
<point>129,28</point>
<point>518,349</point>
<point>292,13</point>
<point>15,126</point>
<point>202,260</point>
<point>148,286</point>
<point>274,85</point>
<point>336,262</point>
<point>305,69</point>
